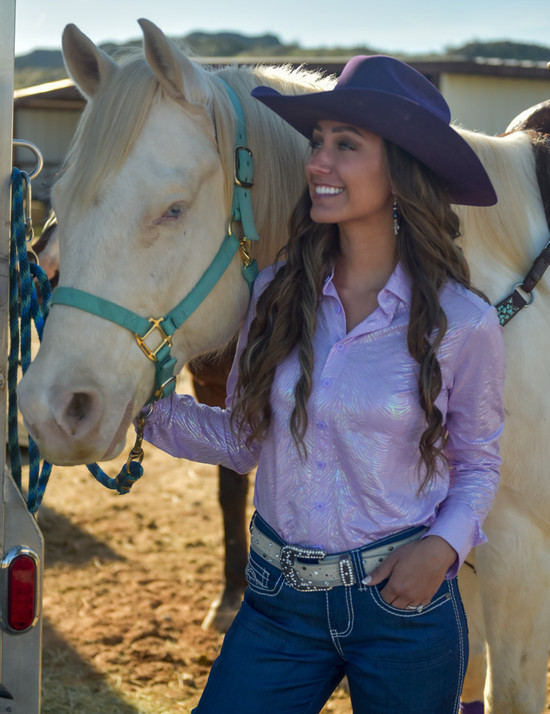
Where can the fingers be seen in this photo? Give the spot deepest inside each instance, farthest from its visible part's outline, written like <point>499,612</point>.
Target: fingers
<point>407,592</point>
<point>413,573</point>
<point>397,592</point>
<point>385,570</point>
<point>380,573</point>
<point>407,600</point>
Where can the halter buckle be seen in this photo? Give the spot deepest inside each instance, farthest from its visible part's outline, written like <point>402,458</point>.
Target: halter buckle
<point>151,352</point>
<point>528,297</point>
<point>242,182</point>
<point>159,393</point>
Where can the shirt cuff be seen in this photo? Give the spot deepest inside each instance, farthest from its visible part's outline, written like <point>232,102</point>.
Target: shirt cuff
<point>461,531</point>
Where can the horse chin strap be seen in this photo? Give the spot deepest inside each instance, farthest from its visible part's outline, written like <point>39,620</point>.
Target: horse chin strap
<point>154,334</point>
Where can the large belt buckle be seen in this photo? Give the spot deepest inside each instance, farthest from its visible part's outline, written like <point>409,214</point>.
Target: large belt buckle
<point>287,558</point>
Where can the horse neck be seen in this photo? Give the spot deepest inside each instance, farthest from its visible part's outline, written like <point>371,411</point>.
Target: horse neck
<point>501,241</point>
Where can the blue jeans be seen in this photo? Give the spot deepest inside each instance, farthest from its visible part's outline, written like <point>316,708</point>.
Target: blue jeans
<point>286,651</point>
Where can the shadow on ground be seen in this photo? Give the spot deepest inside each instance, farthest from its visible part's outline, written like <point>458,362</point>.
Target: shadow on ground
<point>66,542</point>
<point>70,684</point>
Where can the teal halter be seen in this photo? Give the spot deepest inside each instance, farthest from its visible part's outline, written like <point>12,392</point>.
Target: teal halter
<point>154,334</point>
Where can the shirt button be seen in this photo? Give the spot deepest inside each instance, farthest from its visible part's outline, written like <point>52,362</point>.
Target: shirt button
<point>319,506</point>
<point>320,465</point>
<point>340,347</point>
<point>327,382</point>
<point>321,425</point>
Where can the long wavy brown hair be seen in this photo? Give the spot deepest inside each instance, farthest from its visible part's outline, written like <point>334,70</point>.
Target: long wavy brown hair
<point>286,312</point>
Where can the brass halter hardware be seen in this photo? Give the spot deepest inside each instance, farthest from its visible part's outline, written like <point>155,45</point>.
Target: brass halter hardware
<point>245,252</point>
<point>136,454</point>
<point>239,180</point>
<point>151,353</point>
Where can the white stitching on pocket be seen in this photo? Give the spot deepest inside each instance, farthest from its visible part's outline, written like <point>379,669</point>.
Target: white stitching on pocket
<point>261,580</point>
<point>401,612</point>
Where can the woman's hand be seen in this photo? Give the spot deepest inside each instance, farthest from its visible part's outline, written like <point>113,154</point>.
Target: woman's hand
<point>415,572</point>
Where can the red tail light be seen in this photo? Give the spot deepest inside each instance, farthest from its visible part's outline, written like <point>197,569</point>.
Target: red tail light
<point>20,583</point>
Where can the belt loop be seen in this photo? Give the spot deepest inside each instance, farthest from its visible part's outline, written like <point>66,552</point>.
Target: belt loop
<point>359,568</point>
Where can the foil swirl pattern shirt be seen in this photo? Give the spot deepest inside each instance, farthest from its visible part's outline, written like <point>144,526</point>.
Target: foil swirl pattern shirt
<point>360,480</point>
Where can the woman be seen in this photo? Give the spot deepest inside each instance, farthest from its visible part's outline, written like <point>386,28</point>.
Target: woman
<point>368,391</point>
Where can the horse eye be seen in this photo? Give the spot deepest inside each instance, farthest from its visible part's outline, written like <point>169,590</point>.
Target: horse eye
<point>175,211</point>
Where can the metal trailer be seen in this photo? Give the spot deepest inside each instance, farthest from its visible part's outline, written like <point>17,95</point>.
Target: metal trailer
<point>21,543</point>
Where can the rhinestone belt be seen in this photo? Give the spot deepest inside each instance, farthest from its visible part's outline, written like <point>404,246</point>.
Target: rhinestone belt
<point>326,571</point>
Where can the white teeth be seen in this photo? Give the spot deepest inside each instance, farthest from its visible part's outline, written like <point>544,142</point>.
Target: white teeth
<point>328,190</point>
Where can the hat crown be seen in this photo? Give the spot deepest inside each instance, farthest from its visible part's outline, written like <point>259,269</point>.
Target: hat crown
<point>379,73</point>
<point>391,99</point>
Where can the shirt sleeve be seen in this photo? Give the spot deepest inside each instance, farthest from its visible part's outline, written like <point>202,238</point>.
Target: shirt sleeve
<point>186,429</point>
<point>475,420</point>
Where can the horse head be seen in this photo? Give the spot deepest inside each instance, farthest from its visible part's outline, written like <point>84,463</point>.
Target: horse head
<point>142,205</point>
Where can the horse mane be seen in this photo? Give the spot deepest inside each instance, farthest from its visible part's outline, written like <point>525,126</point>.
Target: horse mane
<point>505,235</point>
<point>282,149</point>
<point>112,122</point>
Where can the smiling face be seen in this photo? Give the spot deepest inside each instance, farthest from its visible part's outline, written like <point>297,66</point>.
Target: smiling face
<point>348,178</point>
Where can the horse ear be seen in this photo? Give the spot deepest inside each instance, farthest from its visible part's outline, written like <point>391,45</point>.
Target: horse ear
<point>175,72</point>
<point>87,65</point>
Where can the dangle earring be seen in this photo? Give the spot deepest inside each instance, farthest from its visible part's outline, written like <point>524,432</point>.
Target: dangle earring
<point>395,217</point>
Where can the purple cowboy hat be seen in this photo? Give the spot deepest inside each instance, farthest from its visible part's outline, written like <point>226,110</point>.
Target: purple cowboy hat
<point>391,99</point>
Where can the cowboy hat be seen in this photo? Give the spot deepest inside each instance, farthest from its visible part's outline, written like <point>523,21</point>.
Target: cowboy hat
<point>388,97</point>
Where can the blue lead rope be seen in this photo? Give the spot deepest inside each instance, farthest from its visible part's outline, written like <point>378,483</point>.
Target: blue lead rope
<point>24,307</point>
<point>132,470</point>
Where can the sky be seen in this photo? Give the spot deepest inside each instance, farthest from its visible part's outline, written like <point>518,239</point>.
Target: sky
<point>409,26</point>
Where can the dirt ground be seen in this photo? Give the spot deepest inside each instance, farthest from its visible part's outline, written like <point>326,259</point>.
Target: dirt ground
<point>127,583</point>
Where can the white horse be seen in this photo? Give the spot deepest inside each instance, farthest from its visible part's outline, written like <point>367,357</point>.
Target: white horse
<point>143,206</point>
<point>508,596</point>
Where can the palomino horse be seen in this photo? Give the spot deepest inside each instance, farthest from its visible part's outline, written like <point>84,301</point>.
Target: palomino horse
<point>143,206</point>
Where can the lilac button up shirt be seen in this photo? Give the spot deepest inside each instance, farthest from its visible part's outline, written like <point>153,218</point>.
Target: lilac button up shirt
<point>360,480</point>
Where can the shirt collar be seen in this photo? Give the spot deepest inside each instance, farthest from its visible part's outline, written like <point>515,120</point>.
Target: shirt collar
<point>398,286</point>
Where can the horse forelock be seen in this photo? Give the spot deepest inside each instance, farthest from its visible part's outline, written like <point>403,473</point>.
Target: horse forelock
<point>508,231</point>
<point>109,127</point>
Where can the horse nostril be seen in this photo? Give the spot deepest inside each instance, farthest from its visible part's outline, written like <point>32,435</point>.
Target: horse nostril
<point>78,409</point>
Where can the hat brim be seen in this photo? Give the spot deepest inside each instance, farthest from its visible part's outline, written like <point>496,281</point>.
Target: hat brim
<point>399,120</point>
